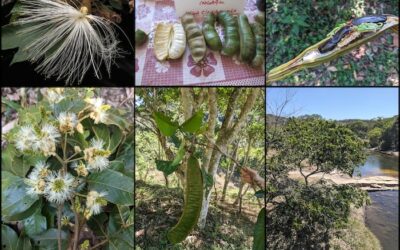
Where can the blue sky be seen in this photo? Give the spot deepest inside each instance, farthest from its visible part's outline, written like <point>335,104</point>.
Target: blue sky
<point>336,103</point>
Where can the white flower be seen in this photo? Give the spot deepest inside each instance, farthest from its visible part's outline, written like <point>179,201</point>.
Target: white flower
<point>54,95</point>
<point>59,188</point>
<point>40,170</point>
<point>66,42</point>
<point>96,156</point>
<point>162,67</point>
<point>98,110</point>
<point>94,202</point>
<point>80,169</point>
<point>67,121</point>
<point>25,138</point>
<point>48,138</point>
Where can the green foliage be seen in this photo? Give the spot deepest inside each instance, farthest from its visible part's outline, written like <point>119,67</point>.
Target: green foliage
<point>67,136</point>
<point>164,124</point>
<point>193,123</point>
<point>324,144</point>
<point>308,214</point>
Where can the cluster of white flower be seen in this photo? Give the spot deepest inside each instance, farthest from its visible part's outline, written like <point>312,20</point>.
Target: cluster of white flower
<point>96,156</point>
<point>67,122</point>
<point>54,95</point>
<point>44,141</point>
<point>56,187</point>
<point>94,202</point>
<point>98,110</point>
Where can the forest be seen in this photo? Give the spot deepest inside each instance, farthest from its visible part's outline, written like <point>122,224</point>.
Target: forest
<point>199,155</point>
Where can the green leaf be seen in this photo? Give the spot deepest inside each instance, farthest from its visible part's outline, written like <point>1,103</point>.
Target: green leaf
<point>166,166</point>
<point>116,4</point>
<point>35,224</point>
<point>14,199</point>
<point>30,115</point>
<point>260,194</point>
<point>120,237</point>
<point>193,123</point>
<point>101,132</point>
<point>115,139</point>
<point>69,105</point>
<point>179,155</point>
<point>119,187</point>
<point>49,239</point>
<point>96,224</point>
<point>114,117</point>
<point>11,104</point>
<point>164,124</point>
<point>9,238</point>
<point>20,56</point>
<point>9,39</point>
<point>259,231</point>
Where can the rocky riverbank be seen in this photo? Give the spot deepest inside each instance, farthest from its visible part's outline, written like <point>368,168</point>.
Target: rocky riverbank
<point>370,183</point>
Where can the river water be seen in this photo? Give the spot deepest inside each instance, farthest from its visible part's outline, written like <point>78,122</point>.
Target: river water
<point>382,216</point>
<point>379,164</point>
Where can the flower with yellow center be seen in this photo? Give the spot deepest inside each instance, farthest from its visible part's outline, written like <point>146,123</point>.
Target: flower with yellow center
<point>98,109</point>
<point>59,187</point>
<point>67,122</point>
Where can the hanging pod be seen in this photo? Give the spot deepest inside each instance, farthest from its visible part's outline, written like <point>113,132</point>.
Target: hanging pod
<point>197,44</point>
<point>210,34</point>
<point>193,203</point>
<point>169,41</point>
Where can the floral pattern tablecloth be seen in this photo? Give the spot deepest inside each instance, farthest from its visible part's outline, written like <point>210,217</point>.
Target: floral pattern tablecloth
<point>214,70</point>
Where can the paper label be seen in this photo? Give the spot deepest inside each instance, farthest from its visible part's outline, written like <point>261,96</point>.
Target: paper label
<point>202,7</point>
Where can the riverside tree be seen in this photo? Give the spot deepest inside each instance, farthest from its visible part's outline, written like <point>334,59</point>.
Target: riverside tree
<point>307,214</point>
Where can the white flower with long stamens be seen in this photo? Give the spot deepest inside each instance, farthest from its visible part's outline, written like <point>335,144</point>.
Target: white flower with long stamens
<point>41,170</point>
<point>59,188</point>
<point>98,110</point>
<point>49,136</point>
<point>25,138</point>
<point>67,121</point>
<point>66,41</point>
<point>94,202</point>
<point>54,95</point>
<point>96,156</point>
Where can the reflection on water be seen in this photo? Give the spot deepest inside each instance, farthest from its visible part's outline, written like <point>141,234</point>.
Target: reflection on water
<point>382,218</point>
<point>379,164</point>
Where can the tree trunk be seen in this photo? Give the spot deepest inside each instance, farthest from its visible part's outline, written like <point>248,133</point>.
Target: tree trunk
<point>229,173</point>
<point>227,134</point>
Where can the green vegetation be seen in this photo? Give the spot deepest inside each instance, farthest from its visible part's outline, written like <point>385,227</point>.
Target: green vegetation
<point>221,129</point>
<point>293,26</point>
<point>306,215</point>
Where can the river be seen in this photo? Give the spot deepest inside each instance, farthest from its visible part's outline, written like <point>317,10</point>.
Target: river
<point>382,215</point>
<point>379,164</point>
<point>382,218</point>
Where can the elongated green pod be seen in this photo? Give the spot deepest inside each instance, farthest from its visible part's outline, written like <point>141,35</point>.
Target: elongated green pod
<point>210,34</point>
<point>259,231</point>
<point>259,32</point>
<point>247,39</point>
<point>193,203</point>
<point>195,38</point>
<point>231,34</point>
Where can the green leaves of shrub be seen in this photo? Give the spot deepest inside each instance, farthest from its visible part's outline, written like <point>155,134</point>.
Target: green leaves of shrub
<point>259,231</point>
<point>168,167</point>
<point>193,124</point>
<point>14,200</point>
<point>118,186</point>
<point>165,124</point>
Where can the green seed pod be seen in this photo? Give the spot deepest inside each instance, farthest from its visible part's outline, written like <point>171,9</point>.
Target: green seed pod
<point>210,34</point>
<point>259,32</point>
<point>195,38</point>
<point>231,33</point>
<point>193,203</point>
<point>140,37</point>
<point>247,39</point>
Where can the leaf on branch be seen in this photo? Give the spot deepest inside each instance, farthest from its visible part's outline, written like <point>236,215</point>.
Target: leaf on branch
<point>193,124</point>
<point>165,124</point>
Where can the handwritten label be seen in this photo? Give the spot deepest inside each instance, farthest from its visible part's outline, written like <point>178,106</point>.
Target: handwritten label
<point>202,7</point>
